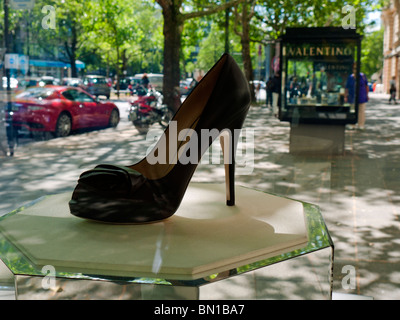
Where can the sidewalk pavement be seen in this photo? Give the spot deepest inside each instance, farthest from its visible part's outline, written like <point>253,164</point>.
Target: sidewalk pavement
<point>358,192</point>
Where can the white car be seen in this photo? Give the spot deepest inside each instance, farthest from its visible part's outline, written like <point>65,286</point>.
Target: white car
<point>13,83</point>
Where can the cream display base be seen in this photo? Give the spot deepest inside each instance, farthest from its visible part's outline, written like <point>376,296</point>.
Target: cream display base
<point>202,238</point>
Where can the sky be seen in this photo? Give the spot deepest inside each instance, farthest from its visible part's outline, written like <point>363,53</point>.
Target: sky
<point>374,16</point>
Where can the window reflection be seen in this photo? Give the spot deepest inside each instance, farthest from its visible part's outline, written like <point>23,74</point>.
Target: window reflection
<point>316,83</point>
<point>315,79</point>
<point>75,95</point>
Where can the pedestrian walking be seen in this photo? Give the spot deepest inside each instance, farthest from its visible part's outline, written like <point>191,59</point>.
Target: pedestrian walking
<point>276,89</point>
<point>145,81</point>
<point>392,90</point>
<point>257,89</point>
<point>270,85</point>
<point>362,94</point>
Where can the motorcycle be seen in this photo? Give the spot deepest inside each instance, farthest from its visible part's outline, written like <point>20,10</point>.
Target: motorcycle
<point>149,109</point>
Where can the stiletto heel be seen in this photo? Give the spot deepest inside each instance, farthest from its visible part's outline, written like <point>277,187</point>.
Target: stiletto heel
<point>228,145</point>
<point>152,189</point>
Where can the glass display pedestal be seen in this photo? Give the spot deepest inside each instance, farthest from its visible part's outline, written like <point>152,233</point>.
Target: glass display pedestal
<point>264,247</point>
<point>325,139</point>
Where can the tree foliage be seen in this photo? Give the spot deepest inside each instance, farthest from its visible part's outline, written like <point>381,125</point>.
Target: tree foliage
<point>173,36</point>
<point>175,14</point>
<point>372,53</point>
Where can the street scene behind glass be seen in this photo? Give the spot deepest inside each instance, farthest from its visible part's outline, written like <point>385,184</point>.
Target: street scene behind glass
<point>99,81</point>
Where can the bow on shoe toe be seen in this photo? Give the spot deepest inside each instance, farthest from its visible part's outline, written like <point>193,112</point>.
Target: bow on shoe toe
<point>112,180</point>
<point>117,194</point>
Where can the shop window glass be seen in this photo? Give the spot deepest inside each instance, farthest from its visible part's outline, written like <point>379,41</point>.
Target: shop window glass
<point>317,80</point>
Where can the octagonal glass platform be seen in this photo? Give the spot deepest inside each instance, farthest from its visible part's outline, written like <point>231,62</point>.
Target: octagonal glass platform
<point>197,253</point>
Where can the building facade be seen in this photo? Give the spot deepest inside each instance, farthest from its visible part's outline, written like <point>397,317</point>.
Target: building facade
<point>391,45</point>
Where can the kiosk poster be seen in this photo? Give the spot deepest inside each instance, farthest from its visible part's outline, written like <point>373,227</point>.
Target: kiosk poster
<point>316,75</point>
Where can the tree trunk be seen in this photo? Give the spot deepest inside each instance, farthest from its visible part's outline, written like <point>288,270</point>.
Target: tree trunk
<point>71,51</point>
<point>173,26</point>
<point>245,41</point>
<point>117,69</point>
<point>72,59</point>
<point>74,71</point>
<point>124,62</point>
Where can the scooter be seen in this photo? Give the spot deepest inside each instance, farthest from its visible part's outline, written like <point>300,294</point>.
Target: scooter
<point>149,109</point>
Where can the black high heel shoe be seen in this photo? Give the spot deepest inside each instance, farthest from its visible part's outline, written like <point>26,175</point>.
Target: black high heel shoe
<point>147,191</point>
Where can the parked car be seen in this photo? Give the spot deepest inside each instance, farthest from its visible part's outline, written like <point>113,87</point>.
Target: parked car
<point>72,82</point>
<point>123,84</point>
<point>48,80</point>
<point>370,86</point>
<point>187,85</point>
<point>97,86</point>
<point>13,83</point>
<point>155,80</point>
<point>260,84</point>
<point>134,80</point>
<point>28,82</point>
<point>184,87</point>
<point>61,110</point>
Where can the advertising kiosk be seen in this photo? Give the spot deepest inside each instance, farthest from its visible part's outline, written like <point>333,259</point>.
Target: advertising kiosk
<point>319,95</point>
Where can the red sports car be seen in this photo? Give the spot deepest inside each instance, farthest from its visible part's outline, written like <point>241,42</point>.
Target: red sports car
<point>60,110</point>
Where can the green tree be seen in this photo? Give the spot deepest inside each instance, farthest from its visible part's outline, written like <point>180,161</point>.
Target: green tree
<point>175,13</point>
<point>146,45</point>
<point>71,17</point>
<point>273,17</point>
<point>113,27</point>
<point>15,24</point>
<point>372,53</point>
<point>243,18</point>
<point>210,48</point>
<point>69,34</point>
<point>126,37</point>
